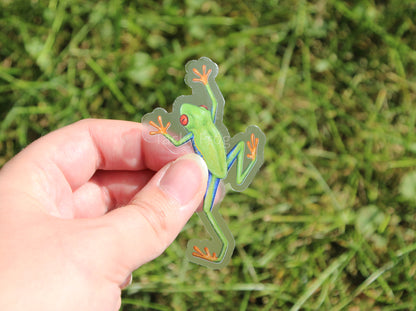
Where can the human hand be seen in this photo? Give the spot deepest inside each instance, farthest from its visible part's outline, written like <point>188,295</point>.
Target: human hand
<point>84,206</point>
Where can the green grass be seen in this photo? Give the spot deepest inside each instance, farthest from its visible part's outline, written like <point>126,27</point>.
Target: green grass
<point>329,222</point>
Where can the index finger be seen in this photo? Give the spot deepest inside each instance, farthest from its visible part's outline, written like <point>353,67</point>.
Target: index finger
<point>79,149</point>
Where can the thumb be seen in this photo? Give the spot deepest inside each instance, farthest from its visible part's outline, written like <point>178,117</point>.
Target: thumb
<point>144,228</point>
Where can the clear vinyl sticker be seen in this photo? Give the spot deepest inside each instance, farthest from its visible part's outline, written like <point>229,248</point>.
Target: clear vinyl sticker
<point>198,119</point>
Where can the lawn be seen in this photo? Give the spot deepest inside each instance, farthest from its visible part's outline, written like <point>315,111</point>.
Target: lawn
<point>329,222</point>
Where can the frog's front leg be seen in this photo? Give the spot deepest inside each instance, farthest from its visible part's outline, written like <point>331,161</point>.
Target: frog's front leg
<point>203,78</point>
<point>161,129</point>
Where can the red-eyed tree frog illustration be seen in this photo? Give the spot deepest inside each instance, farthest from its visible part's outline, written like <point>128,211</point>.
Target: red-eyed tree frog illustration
<point>233,160</point>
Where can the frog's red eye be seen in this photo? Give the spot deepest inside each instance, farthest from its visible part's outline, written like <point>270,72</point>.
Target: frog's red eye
<point>184,119</point>
<point>203,106</point>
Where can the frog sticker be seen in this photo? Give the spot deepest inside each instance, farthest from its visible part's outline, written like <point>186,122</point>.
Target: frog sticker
<point>198,119</point>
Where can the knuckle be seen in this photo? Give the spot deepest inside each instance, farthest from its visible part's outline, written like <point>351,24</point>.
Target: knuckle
<point>156,215</point>
<point>84,122</point>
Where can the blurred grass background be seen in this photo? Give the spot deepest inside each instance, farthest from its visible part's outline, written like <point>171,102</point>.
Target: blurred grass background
<point>329,222</point>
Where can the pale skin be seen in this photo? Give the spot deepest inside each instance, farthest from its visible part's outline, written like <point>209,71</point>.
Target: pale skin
<point>83,207</point>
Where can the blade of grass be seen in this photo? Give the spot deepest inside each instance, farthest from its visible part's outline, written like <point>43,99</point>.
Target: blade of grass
<point>372,278</point>
<point>111,85</point>
<point>314,285</point>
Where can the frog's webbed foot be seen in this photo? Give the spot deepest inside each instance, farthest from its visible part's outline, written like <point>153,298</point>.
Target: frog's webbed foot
<point>207,255</point>
<point>252,146</point>
<point>203,77</point>
<point>161,129</point>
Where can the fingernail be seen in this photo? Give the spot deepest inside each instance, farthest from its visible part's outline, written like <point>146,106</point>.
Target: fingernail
<point>183,179</point>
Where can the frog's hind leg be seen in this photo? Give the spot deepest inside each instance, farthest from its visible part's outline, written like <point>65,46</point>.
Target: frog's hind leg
<point>216,252</point>
<point>237,154</point>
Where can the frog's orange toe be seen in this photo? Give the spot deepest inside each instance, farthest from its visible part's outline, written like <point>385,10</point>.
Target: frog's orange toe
<point>207,255</point>
<point>252,146</point>
<point>203,77</point>
<point>161,129</point>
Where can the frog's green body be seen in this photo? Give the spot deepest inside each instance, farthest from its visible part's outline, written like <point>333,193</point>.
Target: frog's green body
<point>206,138</point>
